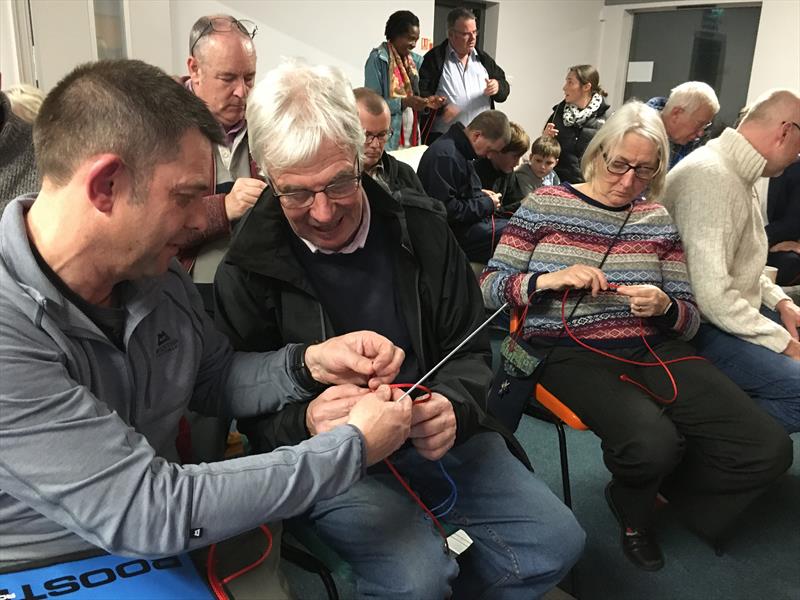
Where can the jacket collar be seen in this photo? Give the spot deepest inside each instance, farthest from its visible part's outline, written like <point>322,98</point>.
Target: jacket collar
<point>139,297</point>
<point>460,139</point>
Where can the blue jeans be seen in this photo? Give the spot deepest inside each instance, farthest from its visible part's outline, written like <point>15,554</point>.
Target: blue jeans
<point>770,378</point>
<point>525,539</point>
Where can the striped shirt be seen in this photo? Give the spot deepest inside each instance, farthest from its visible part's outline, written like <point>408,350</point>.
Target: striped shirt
<point>557,227</point>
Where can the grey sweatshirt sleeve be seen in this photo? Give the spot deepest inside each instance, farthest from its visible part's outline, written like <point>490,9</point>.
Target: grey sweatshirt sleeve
<point>238,384</point>
<point>73,460</point>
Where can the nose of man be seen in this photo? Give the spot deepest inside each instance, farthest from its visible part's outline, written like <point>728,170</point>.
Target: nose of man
<point>322,211</point>
<point>197,219</point>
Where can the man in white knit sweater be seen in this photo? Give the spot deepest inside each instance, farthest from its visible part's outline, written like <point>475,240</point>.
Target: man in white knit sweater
<point>751,325</point>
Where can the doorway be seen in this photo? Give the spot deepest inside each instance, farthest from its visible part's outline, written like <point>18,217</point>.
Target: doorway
<point>713,44</point>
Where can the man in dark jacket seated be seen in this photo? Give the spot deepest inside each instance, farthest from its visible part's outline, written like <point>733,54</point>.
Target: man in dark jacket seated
<point>783,229</point>
<point>376,119</point>
<point>327,250</point>
<point>447,171</point>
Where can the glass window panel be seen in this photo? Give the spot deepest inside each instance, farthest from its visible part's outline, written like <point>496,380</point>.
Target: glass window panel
<point>109,24</point>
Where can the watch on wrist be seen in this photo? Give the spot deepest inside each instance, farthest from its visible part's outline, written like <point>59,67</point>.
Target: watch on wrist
<point>301,372</point>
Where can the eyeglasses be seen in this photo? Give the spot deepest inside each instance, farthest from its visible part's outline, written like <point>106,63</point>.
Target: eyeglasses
<point>340,188</point>
<point>619,167</point>
<point>224,25</point>
<point>381,136</point>
<point>466,34</point>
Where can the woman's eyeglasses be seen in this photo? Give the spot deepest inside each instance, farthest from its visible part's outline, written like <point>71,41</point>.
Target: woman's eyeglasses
<point>620,167</point>
<point>224,25</point>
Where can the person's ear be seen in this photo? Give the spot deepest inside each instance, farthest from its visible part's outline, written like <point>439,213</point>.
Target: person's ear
<point>103,181</point>
<point>193,65</point>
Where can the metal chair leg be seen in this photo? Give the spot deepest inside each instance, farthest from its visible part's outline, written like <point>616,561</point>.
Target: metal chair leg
<point>562,448</point>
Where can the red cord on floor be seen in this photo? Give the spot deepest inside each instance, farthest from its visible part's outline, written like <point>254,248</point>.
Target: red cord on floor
<point>214,580</point>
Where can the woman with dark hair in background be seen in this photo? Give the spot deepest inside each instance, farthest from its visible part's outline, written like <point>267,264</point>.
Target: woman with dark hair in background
<point>392,71</point>
<point>576,119</point>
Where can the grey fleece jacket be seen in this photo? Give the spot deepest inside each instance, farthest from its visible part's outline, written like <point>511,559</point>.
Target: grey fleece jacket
<point>87,431</point>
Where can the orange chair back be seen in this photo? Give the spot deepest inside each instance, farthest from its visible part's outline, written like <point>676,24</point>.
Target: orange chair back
<point>543,396</point>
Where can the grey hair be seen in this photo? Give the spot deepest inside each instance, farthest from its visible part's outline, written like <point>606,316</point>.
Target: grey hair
<point>690,96</point>
<point>459,13</point>
<point>632,117</point>
<point>295,109</point>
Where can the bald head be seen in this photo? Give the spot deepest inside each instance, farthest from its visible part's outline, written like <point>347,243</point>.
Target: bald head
<point>772,126</point>
<point>222,66</point>
<point>376,120</point>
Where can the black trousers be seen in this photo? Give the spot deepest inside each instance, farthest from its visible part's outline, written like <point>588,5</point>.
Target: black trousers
<point>711,452</point>
<point>788,265</point>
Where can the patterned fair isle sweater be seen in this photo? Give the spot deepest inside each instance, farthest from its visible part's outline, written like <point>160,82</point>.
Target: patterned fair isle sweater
<point>557,227</point>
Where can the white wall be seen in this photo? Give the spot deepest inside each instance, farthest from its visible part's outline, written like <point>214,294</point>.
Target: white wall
<point>336,33</point>
<point>150,30</point>
<point>62,36</point>
<point>776,60</point>
<point>538,40</point>
<point>9,63</point>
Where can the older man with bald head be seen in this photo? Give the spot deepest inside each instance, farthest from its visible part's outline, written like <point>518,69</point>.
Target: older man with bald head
<point>751,329</point>
<point>222,71</point>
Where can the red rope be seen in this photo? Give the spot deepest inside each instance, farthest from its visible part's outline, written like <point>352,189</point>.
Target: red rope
<point>213,578</point>
<point>624,377</point>
<point>393,469</point>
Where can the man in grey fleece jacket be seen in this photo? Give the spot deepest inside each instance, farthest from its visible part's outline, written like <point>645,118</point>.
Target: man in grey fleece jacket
<point>104,343</point>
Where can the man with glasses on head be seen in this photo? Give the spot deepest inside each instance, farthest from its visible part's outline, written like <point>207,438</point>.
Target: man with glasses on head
<point>687,114</point>
<point>222,71</point>
<point>751,325</point>
<point>325,250</point>
<point>469,78</point>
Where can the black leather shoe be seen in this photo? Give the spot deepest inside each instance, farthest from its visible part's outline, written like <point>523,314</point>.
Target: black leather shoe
<point>638,545</point>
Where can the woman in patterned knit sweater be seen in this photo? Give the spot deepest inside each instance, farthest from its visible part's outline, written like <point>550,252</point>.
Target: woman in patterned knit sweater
<point>703,443</point>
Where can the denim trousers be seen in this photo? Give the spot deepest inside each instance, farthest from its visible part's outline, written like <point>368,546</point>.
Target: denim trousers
<point>525,539</point>
<point>771,379</point>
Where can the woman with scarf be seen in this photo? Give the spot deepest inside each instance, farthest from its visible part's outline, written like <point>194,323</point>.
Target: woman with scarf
<point>392,71</point>
<point>576,119</point>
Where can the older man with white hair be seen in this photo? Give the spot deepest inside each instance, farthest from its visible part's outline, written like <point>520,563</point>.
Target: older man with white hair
<point>327,249</point>
<point>687,114</point>
<point>751,328</point>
